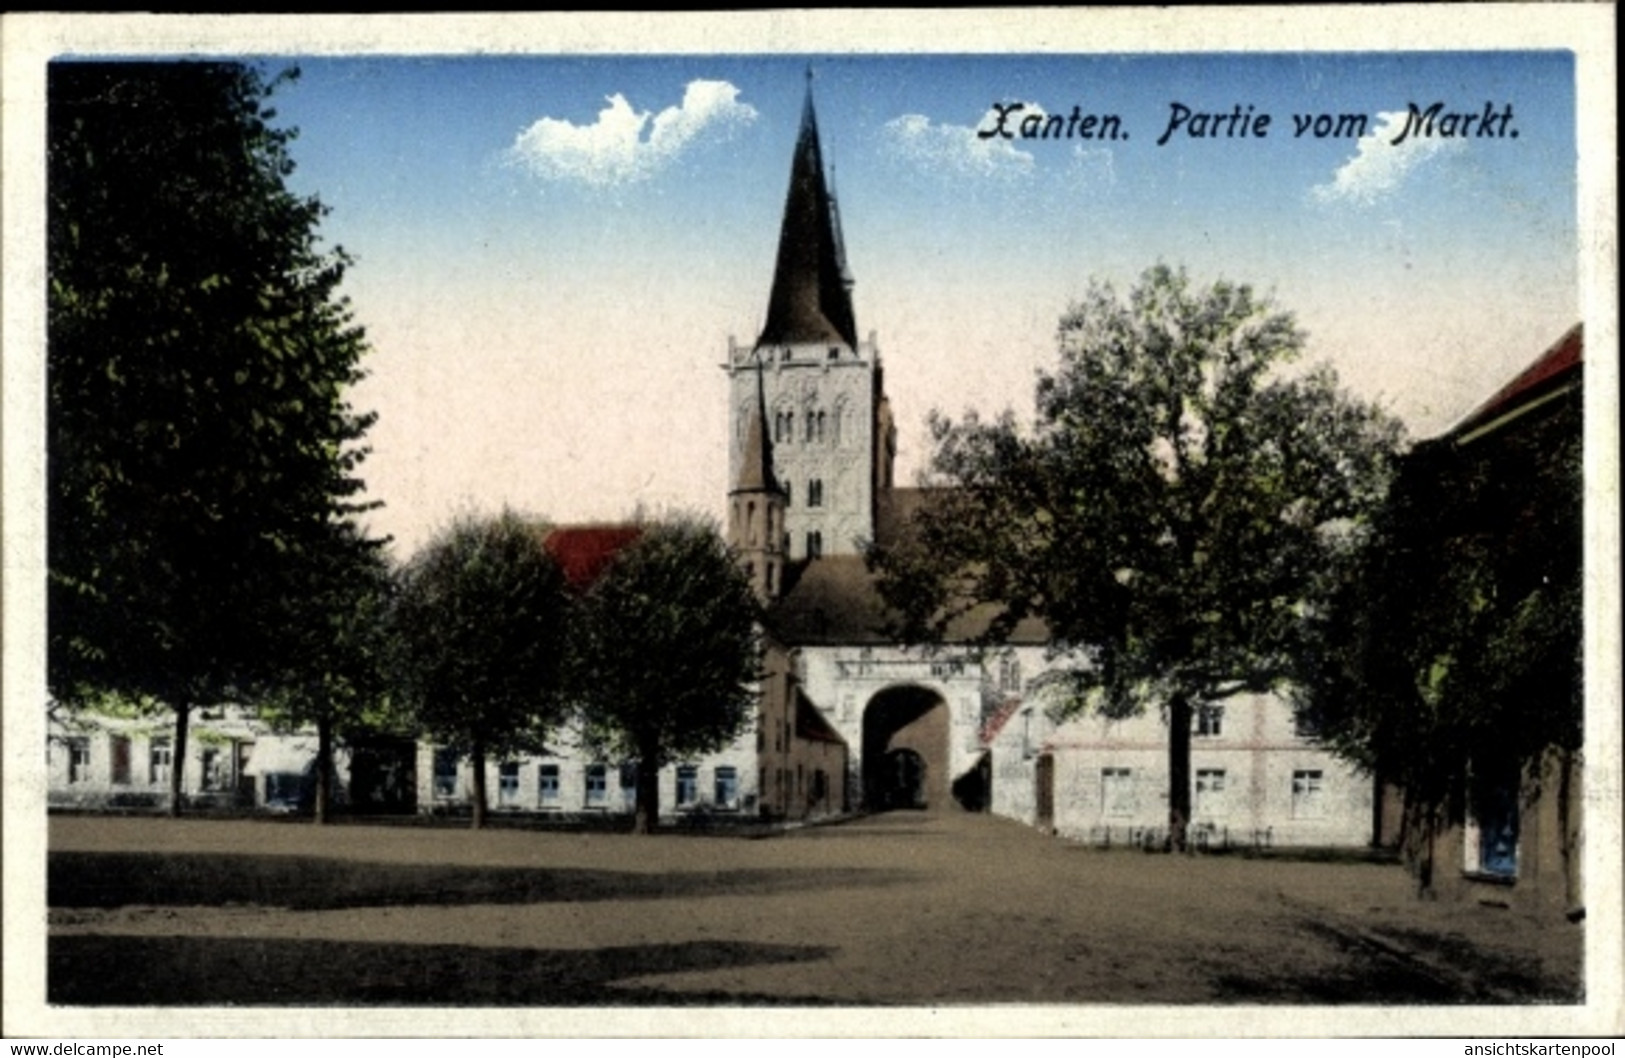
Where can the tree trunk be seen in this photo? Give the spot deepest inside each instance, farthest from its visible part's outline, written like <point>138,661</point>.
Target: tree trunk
<point>646,816</point>
<point>477,761</point>
<point>324,768</point>
<point>1179,771</point>
<point>177,760</point>
<point>1568,835</point>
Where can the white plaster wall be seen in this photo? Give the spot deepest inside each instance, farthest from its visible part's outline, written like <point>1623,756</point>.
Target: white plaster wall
<point>1257,750</point>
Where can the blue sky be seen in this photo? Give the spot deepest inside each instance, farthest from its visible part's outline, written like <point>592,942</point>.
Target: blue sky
<point>553,252</point>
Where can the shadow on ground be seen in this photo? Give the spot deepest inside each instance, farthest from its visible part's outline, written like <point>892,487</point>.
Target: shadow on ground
<point>309,883</point>
<point>1390,966</point>
<point>220,971</point>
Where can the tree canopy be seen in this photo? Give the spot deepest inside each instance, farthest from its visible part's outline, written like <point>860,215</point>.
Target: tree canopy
<point>334,668</point>
<point>666,652</point>
<point>479,623</point>
<point>200,444</point>
<point>1180,502</point>
<point>1452,662</point>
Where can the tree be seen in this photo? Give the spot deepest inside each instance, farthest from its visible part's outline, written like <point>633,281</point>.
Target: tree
<point>1451,664</point>
<point>200,446</point>
<point>666,653</point>
<point>334,669</point>
<point>1178,506</point>
<point>479,623</point>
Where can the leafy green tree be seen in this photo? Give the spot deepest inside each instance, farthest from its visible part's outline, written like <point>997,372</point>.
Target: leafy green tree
<point>334,673</point>
<point>1178,506</point>
<point>1451,664</point>
<point>479,623</point>
<point>666,653</point>
<point>200,444</point>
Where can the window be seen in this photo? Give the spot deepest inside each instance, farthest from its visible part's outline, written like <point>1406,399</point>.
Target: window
<point>445,773</point>
<point>1117,791</point>
<point>1209,793</point>
<point>1010,676</point>
<point>508,784</point>
<point>214,770</point>
<point>121,760</point>
<point>597,785</point>
<point>727,792</point>
<point>815,493</point>
<point>688,785</point>
<point>78,760</point>
<point>1305,726</point>
<point>815,544</point>
<point>1210,721</point>
<point>547,785</point>
<point>160,758</point>
<point>1308,801</point>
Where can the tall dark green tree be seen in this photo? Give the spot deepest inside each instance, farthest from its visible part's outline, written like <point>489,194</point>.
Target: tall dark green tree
<point>1177,507</point>
<point>479,626</point>
<point>1451,665</point>
<point>666,653</point>
<point>200,444</point>
<point>334,670</point>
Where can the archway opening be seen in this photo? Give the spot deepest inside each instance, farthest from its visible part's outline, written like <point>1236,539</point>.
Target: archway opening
<point>905,750</point>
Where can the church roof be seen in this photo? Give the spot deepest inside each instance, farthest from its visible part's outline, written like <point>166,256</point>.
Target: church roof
<point>834,601</point>
<point>811,300</point>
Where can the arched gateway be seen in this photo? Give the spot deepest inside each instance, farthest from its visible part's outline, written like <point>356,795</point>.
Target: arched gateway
<point>905,750</point>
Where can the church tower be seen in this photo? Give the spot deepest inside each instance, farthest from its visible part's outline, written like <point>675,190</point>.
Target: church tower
<point>816,387</point>
<point>756,507</point>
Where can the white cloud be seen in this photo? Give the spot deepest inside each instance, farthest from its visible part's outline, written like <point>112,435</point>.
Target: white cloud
<point>625,145</point>
<point>1379,166</point>
<point>954,148</point>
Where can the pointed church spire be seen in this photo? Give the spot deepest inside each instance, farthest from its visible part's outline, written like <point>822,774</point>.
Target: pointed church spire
<point>811,299</point>
<point>756,469</point>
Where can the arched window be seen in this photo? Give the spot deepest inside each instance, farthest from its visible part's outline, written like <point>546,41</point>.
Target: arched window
<point>750,523</point>
<point>819,431</point>
<point>815,544</point>
<point>815,493</point>
<point>787,494</point>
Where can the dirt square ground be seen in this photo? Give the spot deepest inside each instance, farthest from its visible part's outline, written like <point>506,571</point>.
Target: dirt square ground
<point>902,909</point>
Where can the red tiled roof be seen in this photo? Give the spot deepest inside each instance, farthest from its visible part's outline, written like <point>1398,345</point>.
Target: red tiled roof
<point>584,551</point>
<point>1546,373</point>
